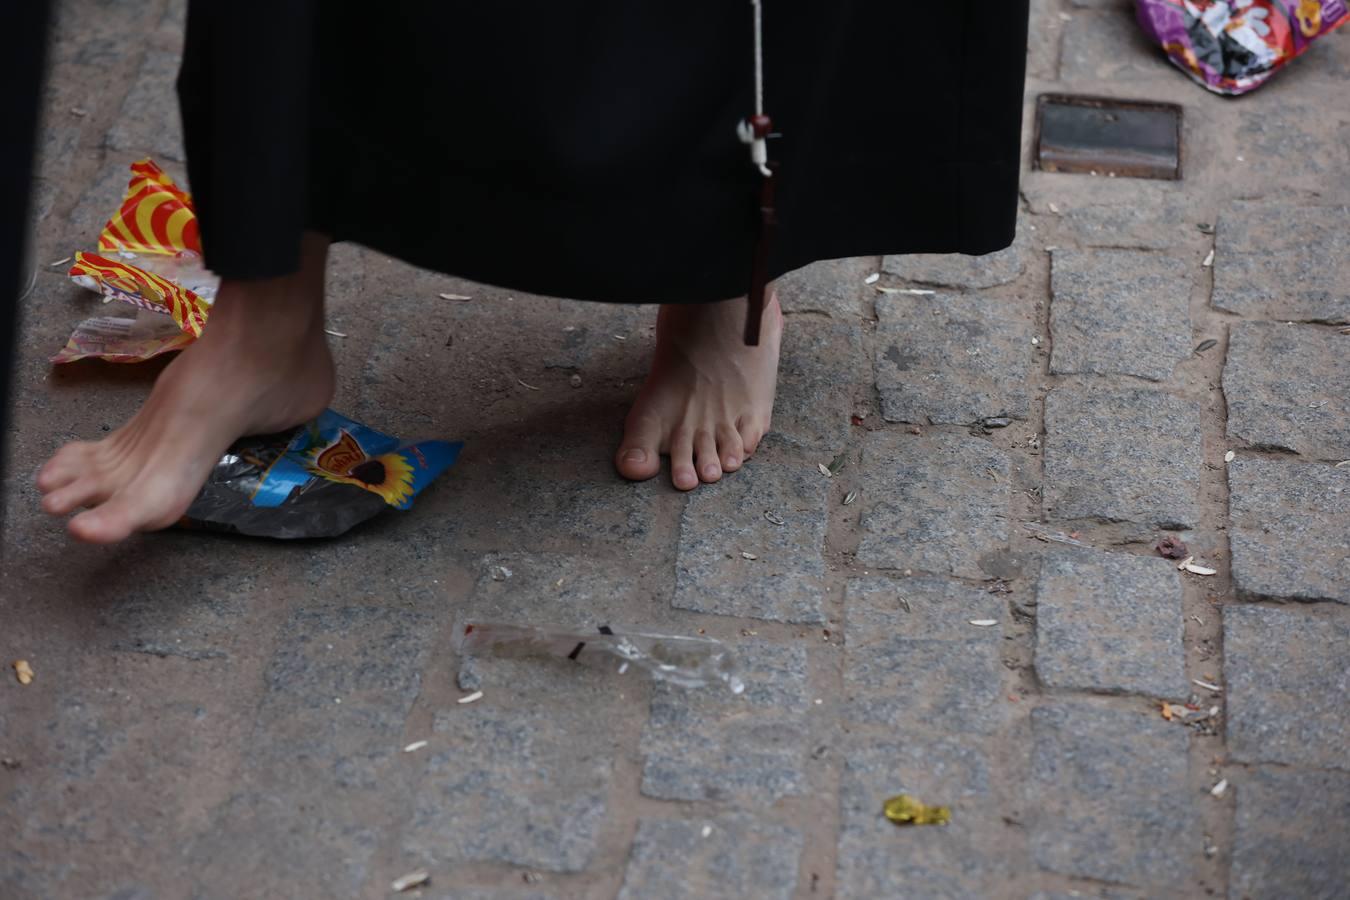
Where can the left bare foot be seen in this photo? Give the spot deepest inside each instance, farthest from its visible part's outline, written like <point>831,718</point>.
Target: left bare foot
<point>708,399</point>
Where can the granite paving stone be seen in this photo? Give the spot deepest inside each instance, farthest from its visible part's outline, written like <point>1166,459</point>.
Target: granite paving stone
<point>957,270</point>
<point>935,503</point>
<point>1140,222</point>
<point>1274,855</point>
<point>327,734</point>
<point>730,856</point>
<point>1290,537</point>
<point>1119,312</point>
<point>876,859</point>
<point>833,287</point>
<point>951,359</point>
<point>1111,623</point>
<point>1283,261</point>
<point>1108,46</point>
<point>148,121</point>
<point>821,367</point>
<point>1288,388</point>
<point>1122,455</point>
<point>722,522</point>
<point>1110,797</point>
<point>749,748</point>
<point>1288,676</point>
<point>912,656</point>
<point>1293,145</point>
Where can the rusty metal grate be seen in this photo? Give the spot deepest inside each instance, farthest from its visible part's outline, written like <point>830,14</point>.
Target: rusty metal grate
<point>1108,136</point>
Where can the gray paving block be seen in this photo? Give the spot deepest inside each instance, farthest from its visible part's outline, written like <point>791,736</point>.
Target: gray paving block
<point>524,786</point>
<point>1293,143</point>
<point>958,270</point>
<point>878,859</point>
<point>1288,388</point>
<point>1290,537</point>
<point>1119,312</point>
<point>935,504</point>
<point>748,748</point>
<point>1283,261</point>
<point>327,735</point>
<point>1291,834</point>
<point>1109,796</point>
<point>821,367</point>
<point>951,359</point>
<point>730,856</point>
<point>1111,623</point>
<point>913,657</point>
<point>1043,40</point>
<point>1288,676</point>
<point>785,581</point>
<point>148,121</point>
<point>1108,46</point>
<point>1145,223</point>
<point>1122,455</point>
<point>833,287</point>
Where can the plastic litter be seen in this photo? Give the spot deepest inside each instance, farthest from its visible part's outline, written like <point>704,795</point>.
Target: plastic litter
<point>149,257</point>
<point>1234,46</point>
<point>688,662</point>
<point>317,480</point>
<point>904,809</point>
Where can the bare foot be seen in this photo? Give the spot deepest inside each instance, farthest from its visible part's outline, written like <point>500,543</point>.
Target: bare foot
<point>708,399</point>
<point>261,365</point>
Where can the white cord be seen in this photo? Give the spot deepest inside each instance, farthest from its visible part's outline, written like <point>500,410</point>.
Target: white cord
<point>759,147</point>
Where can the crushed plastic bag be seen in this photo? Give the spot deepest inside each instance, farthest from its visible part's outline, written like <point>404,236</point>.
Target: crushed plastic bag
<point>903,809</point>
<point>318,480</point>
<point>1234,46</point>
<point>688,662</point>
<point>149,257</point>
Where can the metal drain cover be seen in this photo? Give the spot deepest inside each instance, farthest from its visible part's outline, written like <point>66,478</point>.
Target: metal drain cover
<point>1107,136</point>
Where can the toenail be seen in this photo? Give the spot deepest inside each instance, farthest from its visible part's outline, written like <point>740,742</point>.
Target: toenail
<point>635,454</point>
<point>710,471</point>
<point>732,461</point>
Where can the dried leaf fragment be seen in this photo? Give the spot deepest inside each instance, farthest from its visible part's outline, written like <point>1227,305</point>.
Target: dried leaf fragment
<point>1167,711</point>
<point>1209,260</point>
<point>1219,789</point>
<point>903,809</point>
<point>414,746</point>
<point>1207,686</point>
<point>773,518</point>
<point>454,297</point>
<point>470,698</point>
<point>850,497</point>
<point>1205,345</point>
<point>873,278</point>
<point>745,554</point>
<point>984,623</point>
<point>1230,456</point>
<point>1200,570</point>
<point>23,671</point>
<point>836,465</point>
<point>1185,562</point>
<point>824,470</point>
<point>334,333</point>
<point>409,881</point>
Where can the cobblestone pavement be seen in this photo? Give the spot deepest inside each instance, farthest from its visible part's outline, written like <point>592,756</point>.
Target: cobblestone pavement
<point>215,717</point>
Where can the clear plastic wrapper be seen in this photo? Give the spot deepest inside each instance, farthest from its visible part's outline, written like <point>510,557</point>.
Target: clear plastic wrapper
<point>1234,46</point>
<point>689,662</point>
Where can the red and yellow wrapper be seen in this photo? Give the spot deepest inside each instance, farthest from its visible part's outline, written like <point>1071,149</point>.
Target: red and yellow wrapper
<point>153,232</point>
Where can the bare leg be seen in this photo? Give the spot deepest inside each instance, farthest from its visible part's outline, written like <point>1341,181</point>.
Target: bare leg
<point>262,365</point>
<point>709,398</point>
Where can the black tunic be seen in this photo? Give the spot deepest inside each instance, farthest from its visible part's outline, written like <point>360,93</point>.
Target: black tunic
<point>589,149</point>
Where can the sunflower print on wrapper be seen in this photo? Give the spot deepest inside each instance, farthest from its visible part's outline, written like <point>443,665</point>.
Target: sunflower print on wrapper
<point>389,475</point>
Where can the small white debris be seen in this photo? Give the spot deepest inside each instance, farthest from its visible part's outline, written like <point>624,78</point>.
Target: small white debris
<point>1207,686</point>
<point>409,881</point>
<point>414,746</point>
<point>337,699</point>
<point>79,112</point>
<point>824,470</point>
<point>748,555</point>
<point>1213,711</point>
<point>850,497</point>
<point>984,623</point>
<point>1036,341</point>
<point>707,830</point>
<point>59,262</point>
<point>873,278</point>
<point>1209,260</point>
<point>1218,789</point>
<point>334,333</point>
<point>1054,209</point>
<point>1185,562</point>
<point>1200,570</point>
<point>453,297</point>
<point>620,337</point>
<point>1343,464</point>
<point>469,698</point>
<point>773,518</point>
<point>527,386</point>
<point>500,573</point>
<point>1241,158</point>
<point>623,667</point>
<point>1229,456</point>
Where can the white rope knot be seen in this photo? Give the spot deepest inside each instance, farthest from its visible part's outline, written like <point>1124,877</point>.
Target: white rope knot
<point>759,145</point>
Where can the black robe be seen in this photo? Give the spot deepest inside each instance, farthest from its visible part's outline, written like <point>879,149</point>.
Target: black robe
<point>589,149</point>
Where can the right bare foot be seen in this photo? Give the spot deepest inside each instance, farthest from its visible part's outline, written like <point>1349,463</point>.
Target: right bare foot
<point>261,365</point>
